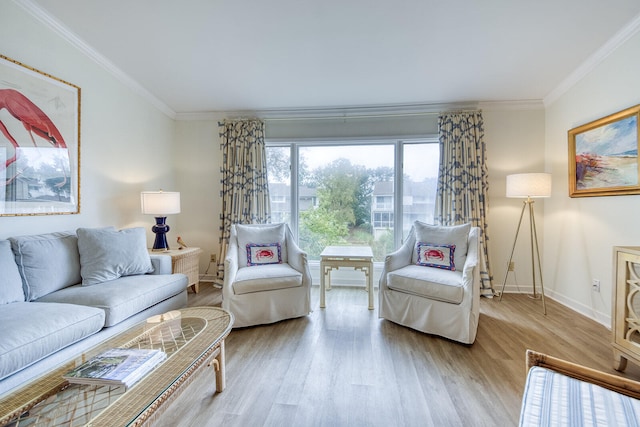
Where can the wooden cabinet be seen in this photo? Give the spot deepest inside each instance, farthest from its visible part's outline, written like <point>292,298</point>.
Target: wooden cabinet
<point>186,261</point>
<point>626,306</point>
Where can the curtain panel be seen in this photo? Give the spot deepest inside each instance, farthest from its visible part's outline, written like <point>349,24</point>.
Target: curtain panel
<point>463,184</point>
<point>245,189</point>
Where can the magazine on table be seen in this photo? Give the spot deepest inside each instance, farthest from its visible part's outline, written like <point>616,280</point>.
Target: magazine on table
<point>116,367</point>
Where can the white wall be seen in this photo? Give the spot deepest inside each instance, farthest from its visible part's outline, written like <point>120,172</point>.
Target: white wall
<point>515,144</point>
<point>126,143</point>
<point>198,162</point>
<point>580,232</point>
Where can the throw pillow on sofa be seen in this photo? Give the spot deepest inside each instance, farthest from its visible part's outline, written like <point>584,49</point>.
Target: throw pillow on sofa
<point>108,254</point>
<point>38,255</point>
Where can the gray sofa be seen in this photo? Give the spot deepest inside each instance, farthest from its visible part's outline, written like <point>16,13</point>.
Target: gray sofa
<point>61,293</point>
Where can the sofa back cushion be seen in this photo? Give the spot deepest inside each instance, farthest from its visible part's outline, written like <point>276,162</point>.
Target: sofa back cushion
<point>108,254</point>
<point>10,280</point>
<point>47,262</point>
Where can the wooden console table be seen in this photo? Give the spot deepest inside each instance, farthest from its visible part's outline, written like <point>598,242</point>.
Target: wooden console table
<point>357,257</point>
<point>626,306</point>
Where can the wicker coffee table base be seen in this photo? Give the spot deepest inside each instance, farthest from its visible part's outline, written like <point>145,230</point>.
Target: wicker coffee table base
<point>193,340</point>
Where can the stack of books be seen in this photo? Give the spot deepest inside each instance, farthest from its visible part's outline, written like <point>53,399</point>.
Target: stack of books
<point>116,367</point>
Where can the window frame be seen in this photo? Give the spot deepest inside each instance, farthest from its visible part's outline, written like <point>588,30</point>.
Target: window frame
<point>294,145</point>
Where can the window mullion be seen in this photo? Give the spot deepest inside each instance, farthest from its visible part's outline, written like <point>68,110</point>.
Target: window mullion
<point>294,189</point>
<point>397,192</point>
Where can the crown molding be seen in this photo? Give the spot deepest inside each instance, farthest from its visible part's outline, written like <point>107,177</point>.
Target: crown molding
<point>594,60</point>
<point>519,105</point>
<point>57,27</point>
<point>363,112</point>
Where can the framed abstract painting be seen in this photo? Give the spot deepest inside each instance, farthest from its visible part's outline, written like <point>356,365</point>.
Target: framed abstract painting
<point>39,142</point>
<point>603,156</point>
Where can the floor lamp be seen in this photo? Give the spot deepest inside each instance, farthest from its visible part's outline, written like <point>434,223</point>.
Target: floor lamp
<point>529,185</point>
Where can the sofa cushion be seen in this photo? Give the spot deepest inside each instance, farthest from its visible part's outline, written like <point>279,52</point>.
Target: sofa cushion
<point>266,278</point>
<point>10,280</point>
<point>432,283</point>
<point>260,234</point>
<point>107,254</point>
<point>444,235</point>
<point>49,328</point>
<point>47,262</point>
<point>123,297</point>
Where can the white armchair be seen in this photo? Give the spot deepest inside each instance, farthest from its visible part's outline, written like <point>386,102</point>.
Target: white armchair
<point>418,288</point>
<point>266,275</point>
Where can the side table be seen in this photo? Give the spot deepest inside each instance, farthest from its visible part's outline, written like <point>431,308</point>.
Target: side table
<point>357,257</point>
<point>185,261</point>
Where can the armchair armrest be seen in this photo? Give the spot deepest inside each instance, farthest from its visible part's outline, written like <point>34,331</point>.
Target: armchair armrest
<point>471,269</point>
<point>297,258</point>
<point>231,263</point>
<point>398,259</point>
<point>401,257</point>
<point>161,264</point>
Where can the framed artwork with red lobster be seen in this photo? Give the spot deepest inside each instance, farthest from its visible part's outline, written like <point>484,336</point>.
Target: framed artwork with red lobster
<point>39,142</point>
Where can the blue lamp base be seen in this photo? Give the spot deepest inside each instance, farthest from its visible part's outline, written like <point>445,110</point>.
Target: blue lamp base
<point>161,228</point>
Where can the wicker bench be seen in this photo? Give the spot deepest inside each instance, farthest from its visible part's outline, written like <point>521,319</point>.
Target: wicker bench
<point>562,393</point>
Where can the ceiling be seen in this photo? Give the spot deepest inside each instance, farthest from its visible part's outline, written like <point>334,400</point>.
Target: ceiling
<point>195,56</point>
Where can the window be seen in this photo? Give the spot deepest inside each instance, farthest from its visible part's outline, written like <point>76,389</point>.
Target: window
<point>345,193</point>
<point>384,202</point>
<point>382,220</point>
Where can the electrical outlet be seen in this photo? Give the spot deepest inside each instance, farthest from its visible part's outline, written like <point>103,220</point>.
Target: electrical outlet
<point>213,257</point>
<point>595,285</point>
<point>512,265</point>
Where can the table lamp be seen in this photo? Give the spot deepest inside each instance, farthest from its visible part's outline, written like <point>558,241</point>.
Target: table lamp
<point>160,204</point>
<point>529,186</point>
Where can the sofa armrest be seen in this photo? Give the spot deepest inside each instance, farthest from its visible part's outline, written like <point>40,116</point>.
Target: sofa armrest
<point>161,264</point>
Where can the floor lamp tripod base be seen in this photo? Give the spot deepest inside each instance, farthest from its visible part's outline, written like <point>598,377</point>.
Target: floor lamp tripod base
<point>534,251</point>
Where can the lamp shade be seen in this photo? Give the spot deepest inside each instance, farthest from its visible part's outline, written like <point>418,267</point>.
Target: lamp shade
<point>160,203</point>
<point>529,185</point>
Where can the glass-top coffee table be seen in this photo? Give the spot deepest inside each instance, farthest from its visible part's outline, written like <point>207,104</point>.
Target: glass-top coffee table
<point>191,337</point>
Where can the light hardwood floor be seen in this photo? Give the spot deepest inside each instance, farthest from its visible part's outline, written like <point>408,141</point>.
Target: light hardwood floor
<point>343,366</point>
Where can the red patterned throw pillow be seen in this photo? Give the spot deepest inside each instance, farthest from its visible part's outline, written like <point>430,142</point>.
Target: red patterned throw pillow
<point>263,253</point>
<point>438,256</point>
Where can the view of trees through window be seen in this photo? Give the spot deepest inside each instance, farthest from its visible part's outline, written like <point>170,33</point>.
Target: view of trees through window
<point>346,193</point>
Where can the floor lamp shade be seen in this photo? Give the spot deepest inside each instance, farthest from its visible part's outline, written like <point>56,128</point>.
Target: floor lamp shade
<point>160,204</point>
<point>529,185</point>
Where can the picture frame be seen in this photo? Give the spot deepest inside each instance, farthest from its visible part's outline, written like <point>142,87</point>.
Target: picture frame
<point>39,142</point>
<point>603,156</point>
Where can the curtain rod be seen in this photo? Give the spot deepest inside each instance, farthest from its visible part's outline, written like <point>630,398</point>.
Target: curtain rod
<point>357,112</point>
<point>346,116</point>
